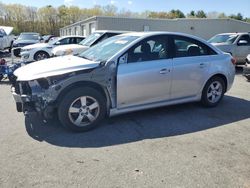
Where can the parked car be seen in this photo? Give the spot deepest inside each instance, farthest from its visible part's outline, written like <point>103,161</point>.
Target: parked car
<point>6,39</point>
<point>42,51</point>
<point>124,73</point>
<point>24,39</point>
<point>91,40</point>
<point>237,44</point>
<point>246,68</point>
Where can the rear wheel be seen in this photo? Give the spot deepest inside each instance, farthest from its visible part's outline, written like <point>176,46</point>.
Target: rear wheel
<point>41,55</point>
<point>213,92</point>
<point>82,109</point>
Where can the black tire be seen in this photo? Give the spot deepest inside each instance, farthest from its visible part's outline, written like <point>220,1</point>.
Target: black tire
<point>1,77</point>
<point>40,55</point>
<point>73,99</point>
<point>248,78</point>
<point>206,99</point>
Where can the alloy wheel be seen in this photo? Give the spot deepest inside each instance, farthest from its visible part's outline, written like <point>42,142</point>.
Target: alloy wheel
<point>83,111</point>
<point>214,92</point>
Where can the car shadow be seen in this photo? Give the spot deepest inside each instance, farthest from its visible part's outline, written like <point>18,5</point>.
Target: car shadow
<point>148,124</point>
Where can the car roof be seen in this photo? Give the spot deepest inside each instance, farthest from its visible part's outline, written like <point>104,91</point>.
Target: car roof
<point>154,33</point>
<point>66,36</point>
<point>110,31</point>
<point>234,33</point>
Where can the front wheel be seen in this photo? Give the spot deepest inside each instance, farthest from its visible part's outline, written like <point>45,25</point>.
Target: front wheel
<point>213,92</point>
<point>41,55</point>
<point>82,109</point>
<point>248,78</point>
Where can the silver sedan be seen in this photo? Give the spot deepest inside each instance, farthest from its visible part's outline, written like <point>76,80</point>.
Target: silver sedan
<point>128,72</point>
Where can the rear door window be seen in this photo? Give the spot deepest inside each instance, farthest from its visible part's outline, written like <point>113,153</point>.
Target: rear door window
<point>187,47</point>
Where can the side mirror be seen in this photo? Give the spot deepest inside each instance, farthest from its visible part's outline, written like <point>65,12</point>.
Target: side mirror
<point>242,43</point>
<point>58,43</point>
<point>123,59</point>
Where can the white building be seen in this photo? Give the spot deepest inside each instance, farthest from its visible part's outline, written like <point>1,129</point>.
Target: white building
<point>205,28</point>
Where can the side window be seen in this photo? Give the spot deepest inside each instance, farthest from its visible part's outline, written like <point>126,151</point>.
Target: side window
<point>187,47</point>
<point>78,40</point>
<point>245,38</point>
<point>153,48</point>
<point>72,40</point>
<point>64,41</point>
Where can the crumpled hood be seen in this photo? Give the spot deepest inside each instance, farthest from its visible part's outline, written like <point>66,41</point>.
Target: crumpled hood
<point>37,45</point>
<point>70,48</point>
<point>7,29</point>
<point>53,67</point>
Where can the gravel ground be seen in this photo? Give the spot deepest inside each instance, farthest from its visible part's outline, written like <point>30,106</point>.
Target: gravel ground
<point>177,146</point>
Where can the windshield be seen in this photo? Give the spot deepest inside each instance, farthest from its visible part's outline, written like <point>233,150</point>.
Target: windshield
<point>90,39</point>
<point>107,48</point>
<point>29,36</point>
<point>229,39</point>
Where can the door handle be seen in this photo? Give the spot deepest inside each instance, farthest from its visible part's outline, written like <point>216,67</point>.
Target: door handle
<point>202,65</point>
<point>163,71</point>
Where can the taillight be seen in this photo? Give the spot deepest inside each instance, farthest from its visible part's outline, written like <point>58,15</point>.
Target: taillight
<point>233,60</point>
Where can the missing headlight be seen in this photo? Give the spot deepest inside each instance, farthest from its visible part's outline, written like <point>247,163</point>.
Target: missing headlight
<point>43,82</point>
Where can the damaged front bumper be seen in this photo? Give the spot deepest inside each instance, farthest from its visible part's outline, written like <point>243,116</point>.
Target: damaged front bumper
<point>29,101</point>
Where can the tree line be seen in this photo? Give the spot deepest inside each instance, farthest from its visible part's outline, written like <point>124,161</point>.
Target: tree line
<point>49,19</point>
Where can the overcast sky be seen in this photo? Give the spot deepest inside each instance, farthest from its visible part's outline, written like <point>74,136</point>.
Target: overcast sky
<point>226,6</point>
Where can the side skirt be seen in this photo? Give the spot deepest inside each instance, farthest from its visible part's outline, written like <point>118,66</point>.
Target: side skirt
<point>117,111</point>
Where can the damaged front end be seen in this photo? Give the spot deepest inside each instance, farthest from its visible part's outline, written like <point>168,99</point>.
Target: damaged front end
<point>37,95</point>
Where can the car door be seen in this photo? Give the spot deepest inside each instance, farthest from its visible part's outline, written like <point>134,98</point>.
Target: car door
<point>144,73</point>
<point>190,65</point>
<point>242,49</point>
